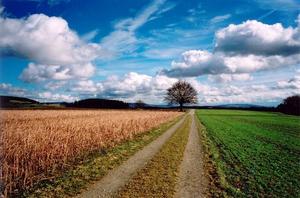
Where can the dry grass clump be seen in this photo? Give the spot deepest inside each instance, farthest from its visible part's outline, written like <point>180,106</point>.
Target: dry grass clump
<point>36,143</point>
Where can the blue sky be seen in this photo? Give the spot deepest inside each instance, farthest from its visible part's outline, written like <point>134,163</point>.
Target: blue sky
<point>233,51</point>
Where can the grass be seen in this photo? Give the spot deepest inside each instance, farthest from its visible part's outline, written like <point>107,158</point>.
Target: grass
<point>95,166</point>
<point>210,165</point>
<point>256,154</point>
<point>158,178</point>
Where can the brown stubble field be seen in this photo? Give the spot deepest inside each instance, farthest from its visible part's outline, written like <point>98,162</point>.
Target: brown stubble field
<point>35,143</point>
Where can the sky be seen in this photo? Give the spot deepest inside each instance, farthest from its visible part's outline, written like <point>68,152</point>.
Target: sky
<point>231,51</point>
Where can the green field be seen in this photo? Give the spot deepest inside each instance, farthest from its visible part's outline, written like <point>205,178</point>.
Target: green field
<point>257,154</point>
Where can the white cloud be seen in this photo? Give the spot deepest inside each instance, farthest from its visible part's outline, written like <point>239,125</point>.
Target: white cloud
<point>87,86</point>
<point>226,78</point>
<point>253,37</point>
<point>243,94</point>
<point>45,40</point>
<point>133,86</point>
<point>38,73</point>
<point>55,85</point>
<point>293,83</point>
<point>55,50</point>
<point>197,62</point>
<point>130,87</point>
<point>132,83</point>
<point>152,89</point>
<point>245,48</point>
<point>218,19</point>
<point>9,89</point>
<point>55,97</point>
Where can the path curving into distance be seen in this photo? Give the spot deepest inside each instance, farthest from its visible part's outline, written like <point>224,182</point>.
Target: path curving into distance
<point>192,180</point>
<point>119,176</point>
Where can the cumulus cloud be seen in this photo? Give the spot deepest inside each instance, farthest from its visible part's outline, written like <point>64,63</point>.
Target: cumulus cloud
<point>197,62</point>
<point>9,89</point>
<point>55,85</point>
<point>55,97</point>
<point>243,94</point>
<point>202,62</point>
<point>38,73</point>
<point>44,39</point>
<point>226,78</point>
<point>254,37</point>
<point>136,85</point>
<point>151,89</point>
<point>55,50</point>
<point>293,83</point>
<point>245,48</point>
<point>87,86</point>
<point>130,87</point>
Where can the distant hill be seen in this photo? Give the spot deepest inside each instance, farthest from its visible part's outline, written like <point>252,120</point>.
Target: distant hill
<point>16,102</point>
<point>223,106</point>
<point>239,106</point>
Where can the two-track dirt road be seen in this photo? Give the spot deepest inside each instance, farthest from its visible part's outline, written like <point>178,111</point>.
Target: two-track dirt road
<point>191,179</point>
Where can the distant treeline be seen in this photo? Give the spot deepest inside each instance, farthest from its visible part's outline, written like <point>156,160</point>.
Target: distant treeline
<point>98,103</point>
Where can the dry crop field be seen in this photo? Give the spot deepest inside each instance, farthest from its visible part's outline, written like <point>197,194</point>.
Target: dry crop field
<point>36,143</point>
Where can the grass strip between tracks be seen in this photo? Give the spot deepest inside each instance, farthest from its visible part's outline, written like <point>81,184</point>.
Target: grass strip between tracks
<point>158,178</point>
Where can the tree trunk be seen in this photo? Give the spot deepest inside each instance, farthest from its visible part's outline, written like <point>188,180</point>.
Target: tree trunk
<point>181,106</point>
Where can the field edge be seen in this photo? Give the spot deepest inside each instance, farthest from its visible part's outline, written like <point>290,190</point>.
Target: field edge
<point>217,182</point>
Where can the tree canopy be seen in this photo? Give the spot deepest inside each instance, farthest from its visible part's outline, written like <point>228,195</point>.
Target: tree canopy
<point>290,105</point>
<point>181,93</point>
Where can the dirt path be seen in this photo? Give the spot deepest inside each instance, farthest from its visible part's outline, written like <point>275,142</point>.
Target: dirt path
<point>192,180</point>
<point>118,177</point>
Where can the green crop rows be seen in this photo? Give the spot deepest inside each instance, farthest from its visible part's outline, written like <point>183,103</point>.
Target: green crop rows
<point>257,154</point>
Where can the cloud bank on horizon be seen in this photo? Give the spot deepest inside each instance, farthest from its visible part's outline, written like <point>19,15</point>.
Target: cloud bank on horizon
<point>50,51</point>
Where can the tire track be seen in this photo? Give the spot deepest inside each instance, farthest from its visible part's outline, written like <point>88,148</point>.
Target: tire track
<point>192,179</point>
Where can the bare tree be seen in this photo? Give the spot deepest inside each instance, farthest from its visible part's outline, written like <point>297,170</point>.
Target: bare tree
<point>181,93</point>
